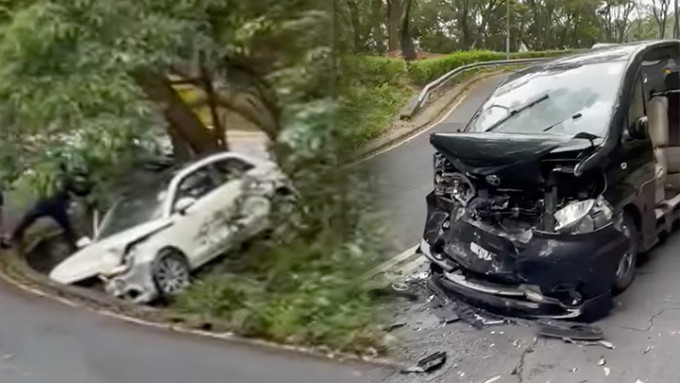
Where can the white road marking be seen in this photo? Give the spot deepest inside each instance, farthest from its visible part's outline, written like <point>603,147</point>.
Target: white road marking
<point>388,264</point>
<point>410,267</point>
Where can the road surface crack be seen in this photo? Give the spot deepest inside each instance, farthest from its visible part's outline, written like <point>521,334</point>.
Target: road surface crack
<point>519,369</point>
<point>650,324</point>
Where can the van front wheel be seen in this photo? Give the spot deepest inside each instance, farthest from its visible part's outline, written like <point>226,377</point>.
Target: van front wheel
<point>625,270</point>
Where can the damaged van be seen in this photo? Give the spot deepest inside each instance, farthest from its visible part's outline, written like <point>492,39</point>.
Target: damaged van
<point>567,172</point>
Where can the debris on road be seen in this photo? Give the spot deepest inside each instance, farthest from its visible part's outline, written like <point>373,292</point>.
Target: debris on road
<point>394,326</point>
<point>606,344</point>
<point>475,317</point>
<point>428,364</point>
<point>639,381</point>
<point>606,371</point>
<point>602,361</point>
<point>494,379</point>
<point>398,286</point>
<point>573,370</point>
<point>446,315</point>
<point>385,292</point>
<point>570,331</point>
<point>647,350</point>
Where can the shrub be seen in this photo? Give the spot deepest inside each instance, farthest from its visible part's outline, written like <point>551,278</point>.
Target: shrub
<point>424,71</point>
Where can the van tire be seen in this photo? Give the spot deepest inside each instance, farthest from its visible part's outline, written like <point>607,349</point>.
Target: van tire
<point>625,269</point>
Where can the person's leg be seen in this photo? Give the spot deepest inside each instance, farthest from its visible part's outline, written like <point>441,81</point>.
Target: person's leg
<point>60,214</point>
<point>26,221</point>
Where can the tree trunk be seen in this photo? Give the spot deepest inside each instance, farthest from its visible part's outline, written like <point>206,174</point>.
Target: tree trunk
<point>676,21</point>
<point>356,26</point>
<point>376,25</point>
<point>408,49</point>
<point>181,119</point>
<point>218,130</point>
<point>393,17</point>
<point>180,149</point>
<point>465,26</point>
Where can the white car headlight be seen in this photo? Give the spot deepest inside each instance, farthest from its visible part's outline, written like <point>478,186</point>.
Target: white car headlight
<point>583,216</point>
<point>118,263</point>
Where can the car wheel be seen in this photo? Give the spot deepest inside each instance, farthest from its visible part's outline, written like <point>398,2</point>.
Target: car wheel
<point>625,270</point>
<point>171,273</point>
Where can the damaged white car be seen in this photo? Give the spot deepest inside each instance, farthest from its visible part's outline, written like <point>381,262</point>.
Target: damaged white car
<point>151,240</point>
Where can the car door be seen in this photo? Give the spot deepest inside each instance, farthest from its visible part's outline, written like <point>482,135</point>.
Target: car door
<point>185,233</point>
<point>226,218</point>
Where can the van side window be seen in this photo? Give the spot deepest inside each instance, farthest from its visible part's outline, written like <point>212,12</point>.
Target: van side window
<point>637,102</point>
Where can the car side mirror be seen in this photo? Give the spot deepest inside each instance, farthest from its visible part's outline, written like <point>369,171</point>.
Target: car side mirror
<point>184,204</point>
<point>83,242</point>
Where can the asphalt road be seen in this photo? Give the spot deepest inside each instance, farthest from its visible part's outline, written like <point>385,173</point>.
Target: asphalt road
<point>42,341</point>
<point>403,175</point>
<point>644,326</point>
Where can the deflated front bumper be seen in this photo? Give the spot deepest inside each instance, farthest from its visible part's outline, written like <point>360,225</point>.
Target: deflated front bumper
<point>133,283</point>
<point>533,275</point>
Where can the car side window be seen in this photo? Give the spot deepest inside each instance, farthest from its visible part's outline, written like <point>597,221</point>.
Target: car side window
<point>196,185</point>
<point>231,168</point>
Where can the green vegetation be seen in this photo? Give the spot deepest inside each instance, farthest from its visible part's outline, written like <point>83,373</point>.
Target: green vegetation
<point>424,71</point>
<point>373,89</point>
<point>96,82</point>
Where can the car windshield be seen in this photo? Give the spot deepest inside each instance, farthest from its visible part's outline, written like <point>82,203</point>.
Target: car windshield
<point>572,98</point>
<point>132,211</point>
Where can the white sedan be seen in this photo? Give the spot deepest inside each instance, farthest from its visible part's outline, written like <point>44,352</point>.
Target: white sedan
<point>150,241</point>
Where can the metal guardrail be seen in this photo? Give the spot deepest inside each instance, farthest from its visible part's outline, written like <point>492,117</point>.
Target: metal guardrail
<point>415,104</point>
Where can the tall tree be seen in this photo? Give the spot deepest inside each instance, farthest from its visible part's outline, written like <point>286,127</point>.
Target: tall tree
<point>408,48</point>
<point>660,12</point>
<point>676,21</point>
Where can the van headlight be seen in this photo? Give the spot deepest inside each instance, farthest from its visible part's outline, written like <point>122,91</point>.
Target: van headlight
<point>583,216</point>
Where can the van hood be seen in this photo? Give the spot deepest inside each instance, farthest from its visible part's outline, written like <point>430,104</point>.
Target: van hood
<point>511,155</point>
<point>105,255</point>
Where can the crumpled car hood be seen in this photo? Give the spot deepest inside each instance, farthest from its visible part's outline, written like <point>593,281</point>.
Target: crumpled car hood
<point>508,155</point>
<point>103,255</point>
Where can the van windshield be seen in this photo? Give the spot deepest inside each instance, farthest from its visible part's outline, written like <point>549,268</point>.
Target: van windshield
<point>574,98</point>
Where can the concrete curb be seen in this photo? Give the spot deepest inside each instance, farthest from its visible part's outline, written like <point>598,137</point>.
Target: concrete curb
<point>15,270</point>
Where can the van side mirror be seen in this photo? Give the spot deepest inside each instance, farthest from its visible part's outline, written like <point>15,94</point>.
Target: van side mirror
<point>638,129</point>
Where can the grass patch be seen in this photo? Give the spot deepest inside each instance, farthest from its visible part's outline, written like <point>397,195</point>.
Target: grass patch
<point>367,111</point>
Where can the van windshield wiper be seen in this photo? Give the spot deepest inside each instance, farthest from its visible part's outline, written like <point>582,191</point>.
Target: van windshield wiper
<point>514,112</point>
<point>575,116</point>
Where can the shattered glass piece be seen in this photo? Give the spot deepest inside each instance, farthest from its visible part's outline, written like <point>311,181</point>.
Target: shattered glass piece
<point>571,331</point>
<point>427,364</point>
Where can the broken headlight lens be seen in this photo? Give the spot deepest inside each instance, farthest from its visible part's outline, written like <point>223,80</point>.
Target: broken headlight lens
<point>119,264</point>
<point>583,216</point>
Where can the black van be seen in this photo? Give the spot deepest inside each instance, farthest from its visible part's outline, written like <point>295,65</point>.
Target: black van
<point>568,171</point>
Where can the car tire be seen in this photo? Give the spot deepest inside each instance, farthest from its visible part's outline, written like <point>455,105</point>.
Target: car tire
<point>625,270</point>
<point>171,273</point>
